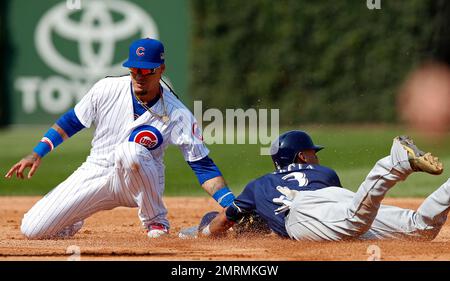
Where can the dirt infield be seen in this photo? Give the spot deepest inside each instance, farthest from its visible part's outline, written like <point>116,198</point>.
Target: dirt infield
<point>117,235</point>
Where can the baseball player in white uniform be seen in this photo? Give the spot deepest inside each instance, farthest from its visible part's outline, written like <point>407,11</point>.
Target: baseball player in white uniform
<point>135,118</point>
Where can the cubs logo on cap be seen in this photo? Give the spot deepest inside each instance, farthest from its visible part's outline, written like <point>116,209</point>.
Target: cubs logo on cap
<point>147,136</point>
<point>140,51</point>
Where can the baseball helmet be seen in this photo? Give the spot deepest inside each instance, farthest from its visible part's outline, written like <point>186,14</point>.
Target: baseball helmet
<point>285,148</point>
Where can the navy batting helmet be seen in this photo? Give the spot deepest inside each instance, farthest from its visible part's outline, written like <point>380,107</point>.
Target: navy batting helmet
<point>285,148</point>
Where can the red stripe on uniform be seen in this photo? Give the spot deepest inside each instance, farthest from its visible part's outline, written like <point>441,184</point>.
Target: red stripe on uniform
<point>48,142</point>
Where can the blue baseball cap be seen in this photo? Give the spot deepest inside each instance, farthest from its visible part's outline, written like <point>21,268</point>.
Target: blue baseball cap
<point>145,53</point>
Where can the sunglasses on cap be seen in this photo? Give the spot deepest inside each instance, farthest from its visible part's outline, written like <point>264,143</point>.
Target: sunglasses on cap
<point>143,71</point>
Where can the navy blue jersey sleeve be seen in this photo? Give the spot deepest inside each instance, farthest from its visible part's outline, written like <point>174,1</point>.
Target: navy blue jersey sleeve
<point>244,203</point>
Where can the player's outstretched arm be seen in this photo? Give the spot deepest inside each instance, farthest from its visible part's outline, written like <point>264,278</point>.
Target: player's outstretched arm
<point>213,224</point>
<point>32,160</point>
<point>206,227</point>
<point>213,185</point>
<point>218,189</point>
<point>219,225</point>
<point>212,181</point>
<point>65,127</point>
<point>55,136</point>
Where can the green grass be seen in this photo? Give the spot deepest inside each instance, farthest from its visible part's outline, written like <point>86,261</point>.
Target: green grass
<point>351,151</point>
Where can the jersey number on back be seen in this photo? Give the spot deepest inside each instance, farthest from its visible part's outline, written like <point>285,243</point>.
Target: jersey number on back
<point>297,176</point>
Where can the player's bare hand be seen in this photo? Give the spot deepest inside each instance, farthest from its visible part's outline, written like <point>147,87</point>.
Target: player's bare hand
<point>31,161</point>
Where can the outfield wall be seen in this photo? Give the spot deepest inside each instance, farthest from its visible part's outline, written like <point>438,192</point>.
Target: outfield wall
<point>60,48</point>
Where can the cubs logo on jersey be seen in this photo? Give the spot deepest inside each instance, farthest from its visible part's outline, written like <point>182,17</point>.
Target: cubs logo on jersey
<point>196,131</point>
<point>147,136</point>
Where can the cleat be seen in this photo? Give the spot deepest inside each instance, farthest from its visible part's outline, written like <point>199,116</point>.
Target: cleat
<point>419,160</point>
<point>157,230</point>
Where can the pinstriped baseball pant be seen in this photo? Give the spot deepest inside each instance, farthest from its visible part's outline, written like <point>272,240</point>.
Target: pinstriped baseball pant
<point>134,180</point>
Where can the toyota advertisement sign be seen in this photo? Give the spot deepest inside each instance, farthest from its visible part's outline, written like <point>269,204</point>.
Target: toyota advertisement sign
<point>61,48</point>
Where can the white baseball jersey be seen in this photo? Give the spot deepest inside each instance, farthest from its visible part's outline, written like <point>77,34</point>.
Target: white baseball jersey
<point>125,166</point>
<point>109,107</point>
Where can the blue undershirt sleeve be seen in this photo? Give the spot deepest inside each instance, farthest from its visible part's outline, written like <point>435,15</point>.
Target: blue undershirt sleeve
<point>205,169</point>
<point>70,123</point>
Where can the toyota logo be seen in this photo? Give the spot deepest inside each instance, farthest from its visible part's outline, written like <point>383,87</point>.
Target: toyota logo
<point>96,27</point>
